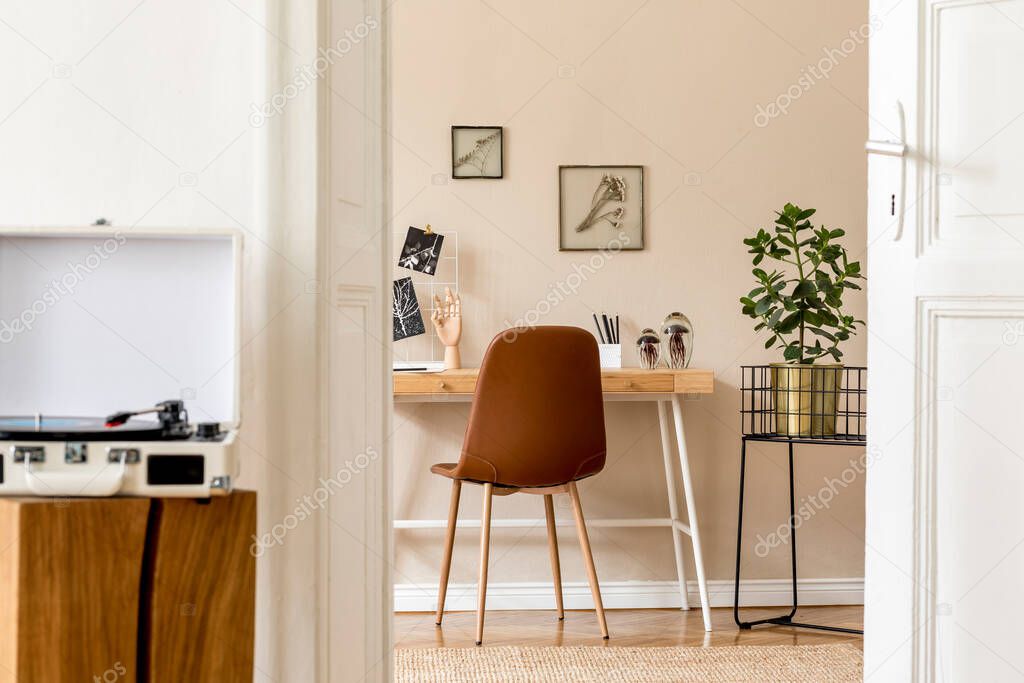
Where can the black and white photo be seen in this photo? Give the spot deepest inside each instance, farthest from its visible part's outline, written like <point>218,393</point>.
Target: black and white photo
<point>421,251</point>
<point>406,319</point>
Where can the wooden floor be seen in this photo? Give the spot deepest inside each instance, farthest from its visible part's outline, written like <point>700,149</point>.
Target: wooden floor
<point>633,628</point>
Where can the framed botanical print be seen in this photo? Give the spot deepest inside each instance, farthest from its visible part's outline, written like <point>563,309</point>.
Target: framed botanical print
<point>477,152</point>
<point>600,207</point>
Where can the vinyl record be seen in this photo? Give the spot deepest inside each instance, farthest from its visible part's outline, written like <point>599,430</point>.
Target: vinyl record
<point>28,428</point>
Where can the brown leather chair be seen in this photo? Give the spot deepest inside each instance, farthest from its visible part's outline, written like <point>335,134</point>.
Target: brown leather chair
<point>536,426</point>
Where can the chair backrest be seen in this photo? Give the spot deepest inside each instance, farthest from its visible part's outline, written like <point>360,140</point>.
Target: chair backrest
<point>538,412</point>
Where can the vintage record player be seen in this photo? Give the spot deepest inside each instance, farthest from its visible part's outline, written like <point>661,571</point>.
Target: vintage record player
<point>96,321</point>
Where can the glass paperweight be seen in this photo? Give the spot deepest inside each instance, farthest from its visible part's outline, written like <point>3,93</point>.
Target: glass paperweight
<point>648,348</point>
<point>677,333</point>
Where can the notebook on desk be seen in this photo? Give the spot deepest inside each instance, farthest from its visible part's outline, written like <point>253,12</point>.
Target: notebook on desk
<point>417,366</point>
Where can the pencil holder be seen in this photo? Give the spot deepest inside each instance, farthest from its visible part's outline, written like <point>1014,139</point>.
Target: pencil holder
<point>611,355</point>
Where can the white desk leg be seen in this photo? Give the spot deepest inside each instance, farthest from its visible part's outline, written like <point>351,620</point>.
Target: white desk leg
<point>673,498</point>
<point>691,510</point>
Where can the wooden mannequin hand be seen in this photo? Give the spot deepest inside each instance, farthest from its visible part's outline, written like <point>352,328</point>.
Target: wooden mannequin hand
<point>447,319</point>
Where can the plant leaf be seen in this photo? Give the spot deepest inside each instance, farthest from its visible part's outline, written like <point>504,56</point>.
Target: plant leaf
<point>803,289</point>
<point>824,333</point>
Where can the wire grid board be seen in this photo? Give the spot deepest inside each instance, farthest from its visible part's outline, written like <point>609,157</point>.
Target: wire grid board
<point>427,346</point>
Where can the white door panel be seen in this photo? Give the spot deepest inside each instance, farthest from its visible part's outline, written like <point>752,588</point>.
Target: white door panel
<point>945,490</point>
<point>979,477</point>
<point>979,116</point>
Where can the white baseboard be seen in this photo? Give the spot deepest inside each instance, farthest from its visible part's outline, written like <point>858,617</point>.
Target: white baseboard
<point>630,594</point>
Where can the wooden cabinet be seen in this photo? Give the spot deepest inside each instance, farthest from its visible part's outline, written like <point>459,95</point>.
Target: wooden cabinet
<point>127,589</point>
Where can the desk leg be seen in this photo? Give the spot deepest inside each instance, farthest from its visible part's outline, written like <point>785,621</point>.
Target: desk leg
<point>673,499</point>
<point>691,510</point>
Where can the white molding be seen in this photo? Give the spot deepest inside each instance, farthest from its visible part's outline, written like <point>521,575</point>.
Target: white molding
<point>930,239</point>
<point>630,594</point>
<point>354,594</point>
<point>930,312</point>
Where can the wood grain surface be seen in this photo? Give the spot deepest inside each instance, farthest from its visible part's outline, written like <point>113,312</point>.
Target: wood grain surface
<point>127,589</point>
<point>69,581</point>
<point>629,628</point>
<point>613,381</point>
<point>202,590</point>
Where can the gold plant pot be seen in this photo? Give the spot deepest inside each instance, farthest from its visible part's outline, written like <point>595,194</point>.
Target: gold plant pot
<point>805,398</point>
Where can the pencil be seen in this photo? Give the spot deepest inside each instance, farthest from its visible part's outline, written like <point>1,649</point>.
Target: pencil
<point>617,339</point>
<point>599,333</point>
<point>607,328</point>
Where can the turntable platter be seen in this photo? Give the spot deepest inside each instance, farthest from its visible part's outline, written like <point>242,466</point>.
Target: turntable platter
<point>30,428</point>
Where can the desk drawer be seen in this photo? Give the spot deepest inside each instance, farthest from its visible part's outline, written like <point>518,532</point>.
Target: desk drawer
<point>409,383</point>
<point>637,382</point>
<point>613,381</point>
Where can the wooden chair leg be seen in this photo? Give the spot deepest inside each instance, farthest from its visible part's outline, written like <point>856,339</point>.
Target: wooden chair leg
<point>556,570</point>
<point>588,557</point>
<point>485,543</point>
<point>449,543</point>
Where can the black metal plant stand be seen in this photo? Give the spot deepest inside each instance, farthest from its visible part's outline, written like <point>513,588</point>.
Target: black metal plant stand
<point>803,417</point>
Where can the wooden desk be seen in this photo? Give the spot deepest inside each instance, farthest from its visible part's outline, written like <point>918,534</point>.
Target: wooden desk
<point>622,381</point>
<point>663,386</point>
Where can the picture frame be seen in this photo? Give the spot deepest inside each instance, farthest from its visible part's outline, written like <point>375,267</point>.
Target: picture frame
<point>478,152</point>
<point>600,207</point>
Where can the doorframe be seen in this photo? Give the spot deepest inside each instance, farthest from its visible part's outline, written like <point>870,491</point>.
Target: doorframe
<point>376,618</point>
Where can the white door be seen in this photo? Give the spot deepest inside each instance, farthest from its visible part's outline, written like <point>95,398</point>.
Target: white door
<point>945,490</point>
<point>356,539</point>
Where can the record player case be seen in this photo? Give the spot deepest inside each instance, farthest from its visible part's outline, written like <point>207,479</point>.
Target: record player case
<point>99,320</point>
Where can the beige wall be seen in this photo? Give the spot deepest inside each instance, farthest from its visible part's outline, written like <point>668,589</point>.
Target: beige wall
<point>674,86</point>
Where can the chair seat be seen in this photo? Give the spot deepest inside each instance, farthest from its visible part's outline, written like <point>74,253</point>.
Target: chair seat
<point>445,469</point>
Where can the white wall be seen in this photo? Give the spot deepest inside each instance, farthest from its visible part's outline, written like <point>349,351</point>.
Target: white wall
<point>674,86</point>
<point>140,112</point>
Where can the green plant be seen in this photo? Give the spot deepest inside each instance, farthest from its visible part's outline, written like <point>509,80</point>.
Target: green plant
<point>791,305</point>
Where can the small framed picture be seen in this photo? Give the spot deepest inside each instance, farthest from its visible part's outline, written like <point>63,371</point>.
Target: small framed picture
<point>477,152</point>
<point>600,208</point>
<point>406,319</point>
<point>421,251</point>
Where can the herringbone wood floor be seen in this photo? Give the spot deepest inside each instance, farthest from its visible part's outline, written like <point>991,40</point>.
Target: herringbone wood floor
<point>633,627</point>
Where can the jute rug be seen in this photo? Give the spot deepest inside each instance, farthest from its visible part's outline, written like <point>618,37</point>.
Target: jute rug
<point>794,663</point>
